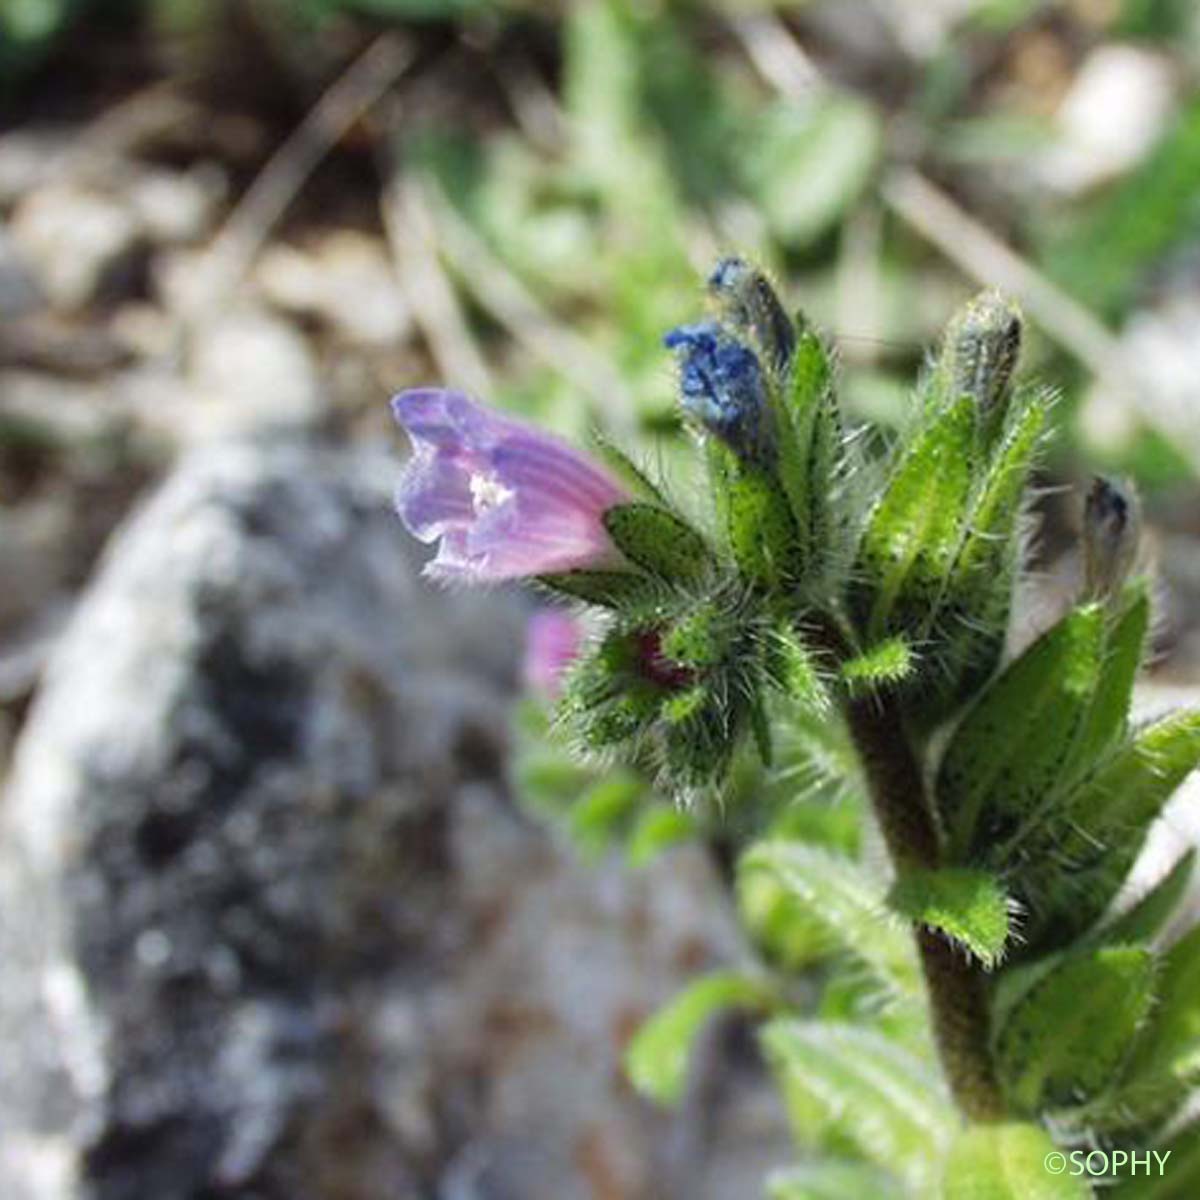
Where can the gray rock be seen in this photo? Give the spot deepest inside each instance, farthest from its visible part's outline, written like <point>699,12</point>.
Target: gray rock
<point>269,924</point>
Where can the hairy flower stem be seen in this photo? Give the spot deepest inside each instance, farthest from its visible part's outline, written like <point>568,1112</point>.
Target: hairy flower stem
<point>954,981</point>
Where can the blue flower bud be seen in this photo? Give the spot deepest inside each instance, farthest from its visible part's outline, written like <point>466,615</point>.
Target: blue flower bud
<point>748,302</point>
<point>721,385</point>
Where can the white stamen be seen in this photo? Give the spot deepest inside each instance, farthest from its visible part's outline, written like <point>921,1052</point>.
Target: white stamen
<point>488,492</point>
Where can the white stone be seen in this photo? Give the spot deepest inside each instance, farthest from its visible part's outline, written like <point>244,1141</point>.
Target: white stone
<point>251,372</point>
<point>1114,112</point>
<point>69,237</point>
<point>345,279</point>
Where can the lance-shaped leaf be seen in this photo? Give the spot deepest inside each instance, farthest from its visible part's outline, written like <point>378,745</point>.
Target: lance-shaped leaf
<point>1144,920</point>
<point>1007,1162</point>
<point>788,933</point>
<point>625,469</point>
<point>831,1180</point>
<point>1124,649</point>
<point>1066,1039</point>
<point>855,1084</point>
<point>845,901</point>
<point>657,540</point>
<point>607,589</point>
<point>1167,1057</point>
<point>913,532</point>
<point>978,590</point>
<point>756,517</point>
<point>1076,862</point>
<point>966,905</point>
<point>1005,758</point>
<point>810,439</point>
<point>657,1058</point>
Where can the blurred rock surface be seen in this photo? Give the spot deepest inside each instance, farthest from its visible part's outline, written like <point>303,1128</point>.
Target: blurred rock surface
<point>270,925</point>
<point>72,239</point>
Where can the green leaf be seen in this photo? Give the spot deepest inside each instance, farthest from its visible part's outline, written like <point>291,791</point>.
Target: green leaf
<point>1144,920</point>
<point>1079,859</point>
<point>913,532</point>
<point>810,441</point>
<point>756,517</point>
<point>882,666</point>
<point>1126,644</point>
<point>789,934</point>
<point>854,1084</point>
<point>604,808</point>
<point>1006,757</point>
<point>625,469</point>
<point>997,507</point>
<point>1167,1057</point>
<point>701,637</point>
<point>609,589</point>
<point>978,593</point>
<point>969,906</point>
<point>829,1180</point>
<point>1067,1037</point>
<point>657,1058</point>
<point>847,903</point>
<point>659,828</point>
<point>657,540</point>
<point>793,671</point>
<point>1007,1162</point>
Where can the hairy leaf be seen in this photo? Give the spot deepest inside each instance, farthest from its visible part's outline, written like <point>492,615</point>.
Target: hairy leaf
<point>1145,919</point>
<point>913,532</point>
<point>857,1084</point>
<point>810,445</point>
<point>609,589</point>
<point>1167,1057</point>
<point>847,903</point>
<point>625,469</point>
<point>1067,1037</point>
<point>657,540</point>
<point>1004,759</point>
<point>882,666</point>
<point>974,606</point>
<point>1125,646</point>
<point>1076,862</point>
<point>756,516</point>
<point>969,906</point>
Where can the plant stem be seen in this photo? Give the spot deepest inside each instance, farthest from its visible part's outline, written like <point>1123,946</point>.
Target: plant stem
<point>954,981</point>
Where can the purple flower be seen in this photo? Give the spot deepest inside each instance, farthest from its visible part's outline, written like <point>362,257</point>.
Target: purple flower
<point>553,639</point>
<point>506,499</point>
